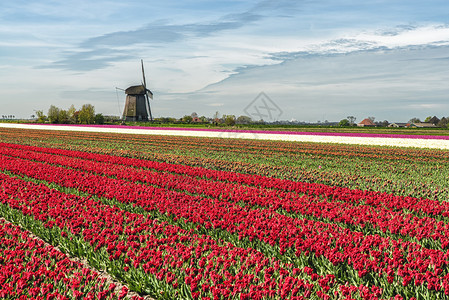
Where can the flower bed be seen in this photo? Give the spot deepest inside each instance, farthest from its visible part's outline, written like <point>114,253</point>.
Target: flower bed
<point>190,218</point>
<point>177,231</point>
<point>29,269</point>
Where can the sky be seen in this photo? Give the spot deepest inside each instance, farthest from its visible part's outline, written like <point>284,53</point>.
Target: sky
<point>273,60</point>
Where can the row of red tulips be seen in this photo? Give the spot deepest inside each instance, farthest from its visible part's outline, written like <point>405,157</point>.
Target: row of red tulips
<point>134,247</point>
<point>427,179</point>
<point>29,269</point>
<point>367,254</point>
<point>357,216</point>
<point>372,198</point>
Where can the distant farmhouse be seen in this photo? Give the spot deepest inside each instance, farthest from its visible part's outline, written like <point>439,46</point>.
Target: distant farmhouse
<point>366,123</point>
<point>434,120</point>
<point>422,125</point>
<point>430,122</point>
<point>399,125</point>
<point>413,125</point>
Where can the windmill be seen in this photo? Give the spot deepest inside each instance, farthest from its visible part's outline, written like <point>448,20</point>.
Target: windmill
<point>137,105</point>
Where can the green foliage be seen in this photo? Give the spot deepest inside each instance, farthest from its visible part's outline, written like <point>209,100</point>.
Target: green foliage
<point>87,114</point>
<point>229,120</point>
<point>57,115</point>
<point>165,120</point>
<point>63,117</point>
<point>243,120</point>
<point>351,120</point>
<point>41,118</point>
<point>99,119</point>
<point>344,122</point>
<point>53,114</point>
<point>187,119</point>
<point>71,112</point>
<point>443,122</point>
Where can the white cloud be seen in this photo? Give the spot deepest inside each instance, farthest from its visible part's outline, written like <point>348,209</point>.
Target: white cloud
<point>422,35</point>
<point>427,106</point>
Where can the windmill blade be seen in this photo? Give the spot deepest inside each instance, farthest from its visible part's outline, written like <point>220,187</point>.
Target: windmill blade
<point>150,94</point>
<point>149,108</point>
<point>143,75</point>
<point>118,101</point>
<point>146,91</point>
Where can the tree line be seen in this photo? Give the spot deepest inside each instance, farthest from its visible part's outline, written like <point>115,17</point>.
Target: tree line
<point>56,115</point>
<point>442,123</point>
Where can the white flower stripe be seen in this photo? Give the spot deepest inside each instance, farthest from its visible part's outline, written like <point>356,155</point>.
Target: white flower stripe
<point>431,142</point>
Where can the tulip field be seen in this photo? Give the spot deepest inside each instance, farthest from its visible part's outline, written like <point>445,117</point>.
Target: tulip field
<point>171,217</point>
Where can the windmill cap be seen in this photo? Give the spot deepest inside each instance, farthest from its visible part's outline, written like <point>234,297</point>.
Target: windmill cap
<point>135,90</point>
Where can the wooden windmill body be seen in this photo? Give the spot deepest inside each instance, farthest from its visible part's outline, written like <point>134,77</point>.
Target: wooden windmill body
<point>137,105</point>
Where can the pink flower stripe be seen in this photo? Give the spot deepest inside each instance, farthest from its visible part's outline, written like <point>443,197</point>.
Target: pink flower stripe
<point>30,269</point>
<point>393,260</point>
<point>317,205</point>
<point>175,256</point>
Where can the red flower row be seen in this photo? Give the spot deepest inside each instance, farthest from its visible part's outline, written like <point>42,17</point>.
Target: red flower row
<point>372,198</point>
<point>317,205</point>
<point>365,253</point>
<point>29,268</point>
<point>173,255</point>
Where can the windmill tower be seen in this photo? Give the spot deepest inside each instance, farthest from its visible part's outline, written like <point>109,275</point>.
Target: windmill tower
<point>137,105</point>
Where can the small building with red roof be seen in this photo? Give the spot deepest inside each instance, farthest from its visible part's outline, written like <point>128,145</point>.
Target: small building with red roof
<point>366,123</point>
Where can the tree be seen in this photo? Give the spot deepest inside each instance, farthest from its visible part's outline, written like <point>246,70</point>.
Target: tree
<point>372,119</point>
<point>99,119</point>
<point>344,122</point>
<point>414,120</point>
<point>427,120</point>
<point>87,114</point>
<point>71,113</point>
<point>229,120</point>
<point>194,115</point>
<point>41,118</point>
<point>76,117</point>
<point>351,120</point>
<point>187,119</point>
<point>53,114</point>
<point>443,122</point>
<point>243,120</point>
<point>63,117</point>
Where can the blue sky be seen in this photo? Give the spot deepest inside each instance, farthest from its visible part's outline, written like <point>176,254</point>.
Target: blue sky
<point>314,60</point>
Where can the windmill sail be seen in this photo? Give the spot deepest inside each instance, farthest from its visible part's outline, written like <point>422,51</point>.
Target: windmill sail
<point>148,93</point>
